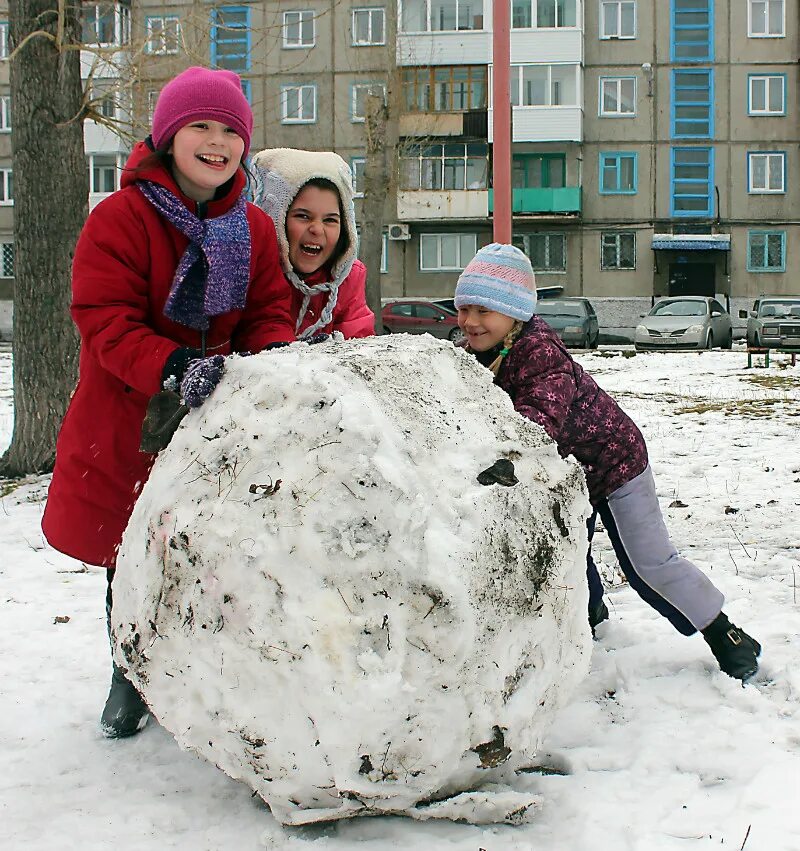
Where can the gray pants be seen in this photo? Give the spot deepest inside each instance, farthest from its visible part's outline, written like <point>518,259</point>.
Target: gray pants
<point>656,571</point>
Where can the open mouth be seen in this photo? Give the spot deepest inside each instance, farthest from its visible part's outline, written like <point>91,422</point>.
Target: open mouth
<point>311,249</point>
<point>214,160</point>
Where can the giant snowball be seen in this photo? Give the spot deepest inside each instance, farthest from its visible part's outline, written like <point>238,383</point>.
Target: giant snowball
<point>317,594</point>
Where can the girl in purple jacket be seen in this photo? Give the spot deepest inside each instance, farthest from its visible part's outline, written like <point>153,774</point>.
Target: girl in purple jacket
<point>496,299</point>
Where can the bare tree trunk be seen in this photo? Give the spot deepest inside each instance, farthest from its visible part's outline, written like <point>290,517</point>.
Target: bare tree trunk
<point>50,205</point>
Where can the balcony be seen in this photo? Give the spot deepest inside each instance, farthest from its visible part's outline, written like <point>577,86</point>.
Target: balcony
<point>565,200</point>
<point>426,205</point>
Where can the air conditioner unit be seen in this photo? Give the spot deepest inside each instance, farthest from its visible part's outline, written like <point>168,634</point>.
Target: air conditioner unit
<point>399,231</point>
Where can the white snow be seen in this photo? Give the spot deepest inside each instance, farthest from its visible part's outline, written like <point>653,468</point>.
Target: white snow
<point>662,751</point>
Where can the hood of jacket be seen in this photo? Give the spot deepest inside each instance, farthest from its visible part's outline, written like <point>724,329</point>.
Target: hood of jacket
<point>280,173</point>
<point>161,175</point>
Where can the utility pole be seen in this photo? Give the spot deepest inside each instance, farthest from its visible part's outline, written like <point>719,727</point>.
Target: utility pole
<point>501,120</point>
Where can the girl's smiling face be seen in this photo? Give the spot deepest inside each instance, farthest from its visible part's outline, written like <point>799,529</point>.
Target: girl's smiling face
<point>205,154</point>
<point>313,226</point>
<point>482,327</point>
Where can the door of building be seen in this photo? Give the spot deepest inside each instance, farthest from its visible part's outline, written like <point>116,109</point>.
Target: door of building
<point>692,279</point>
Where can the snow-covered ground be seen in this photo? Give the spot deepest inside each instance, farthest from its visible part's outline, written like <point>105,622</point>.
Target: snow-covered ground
<point>659,750</point>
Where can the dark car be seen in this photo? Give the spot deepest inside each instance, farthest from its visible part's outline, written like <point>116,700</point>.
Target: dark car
<point>573,319</point>
<point>420,317</point>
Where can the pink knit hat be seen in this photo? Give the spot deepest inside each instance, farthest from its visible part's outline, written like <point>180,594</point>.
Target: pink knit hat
<point>202,93</point>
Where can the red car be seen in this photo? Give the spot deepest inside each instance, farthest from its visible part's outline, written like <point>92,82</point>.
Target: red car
<point>420,317</point>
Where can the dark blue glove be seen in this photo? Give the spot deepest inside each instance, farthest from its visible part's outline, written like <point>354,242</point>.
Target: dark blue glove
<point>202,376</point>
<point>318,338</point>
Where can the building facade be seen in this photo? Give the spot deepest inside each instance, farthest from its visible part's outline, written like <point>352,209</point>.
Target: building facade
<point>652,153</point>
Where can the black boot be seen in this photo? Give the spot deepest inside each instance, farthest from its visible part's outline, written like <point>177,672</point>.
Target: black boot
<point>597,614</point>
<point>735,651</point>
<point>125,713</point>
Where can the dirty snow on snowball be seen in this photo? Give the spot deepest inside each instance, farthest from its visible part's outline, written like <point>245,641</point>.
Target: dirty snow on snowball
<point>658,749</point>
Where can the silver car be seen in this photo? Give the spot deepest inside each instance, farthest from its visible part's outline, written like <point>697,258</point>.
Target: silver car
<point>774,322</point>
<point>687,322</point>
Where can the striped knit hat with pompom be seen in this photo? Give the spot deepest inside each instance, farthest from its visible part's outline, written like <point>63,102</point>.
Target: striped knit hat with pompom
<point>499,277</point>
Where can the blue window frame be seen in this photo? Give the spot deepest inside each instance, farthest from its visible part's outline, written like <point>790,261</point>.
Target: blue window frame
<point>230,38</point>
<point>692,31</point>
<point>766,251</point>
<point>766,94</point>
<point>618,173</point>
<point>692,182</point>
<point>692,104</point>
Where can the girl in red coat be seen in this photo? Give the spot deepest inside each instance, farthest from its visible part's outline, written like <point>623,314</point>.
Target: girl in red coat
<point>171,273</point>
<point>309,195</point>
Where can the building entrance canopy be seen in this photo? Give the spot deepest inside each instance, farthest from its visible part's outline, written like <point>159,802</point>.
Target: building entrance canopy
<point>691,242</point>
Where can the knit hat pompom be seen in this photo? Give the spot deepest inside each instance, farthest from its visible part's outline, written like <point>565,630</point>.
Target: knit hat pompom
<point>500,278</point>
<point>199,93</point>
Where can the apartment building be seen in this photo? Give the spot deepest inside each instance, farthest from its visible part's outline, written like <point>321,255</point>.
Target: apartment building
<point>652,143</point>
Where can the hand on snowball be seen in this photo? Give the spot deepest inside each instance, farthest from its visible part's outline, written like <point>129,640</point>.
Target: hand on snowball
<point>202,376</point>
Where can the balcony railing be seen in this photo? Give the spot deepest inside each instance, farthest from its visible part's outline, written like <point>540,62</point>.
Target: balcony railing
<point>566,199</point>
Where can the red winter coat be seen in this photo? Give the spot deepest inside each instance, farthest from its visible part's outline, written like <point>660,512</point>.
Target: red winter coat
<point>124,264</point>
<point>550,388</point>
<point>351,316</point>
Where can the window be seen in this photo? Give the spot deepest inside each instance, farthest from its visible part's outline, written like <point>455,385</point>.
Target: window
<point>163,34</point>
<point>444,88</point>
<point>766,251</point>
<point>618,250</point>
<point>6,186</point>
<point>384,251</point>
<point>617,97</point>
<point>6,260</point>
<point>359,95</point>
<point>369,27</point>
<point>230,38</point>
<point>766,172</point>
<point>692,182</point>
<point>441,252</point>
<point>766,19</point>
<point>692,99</point>
<point>107,23</point>
<point>543,85</point>
<point>692,31</point>
<point>299,104</point>
<point>547,251</point>
<point>357,166</point>
<point>298,29</point>
<point>538,171</point>
<point>544,14</point>
<point>451,165</point>
<point>618,173</point>
<point>618,19</point>
<point>5,113</point>
<point>440,15</point>
<point>103,173</point>
<point>152,100</point>
<point>104,98</point>
<point>767,94</point>
<point>4,44</point>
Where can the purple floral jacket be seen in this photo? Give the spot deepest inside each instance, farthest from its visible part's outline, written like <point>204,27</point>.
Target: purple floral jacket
<point>550,388</point>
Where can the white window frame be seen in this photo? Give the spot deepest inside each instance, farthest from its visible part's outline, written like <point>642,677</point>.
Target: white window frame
<point>617,83</point>
<point>6,257</point>
<point>5,113</point>
<point>767,33</point>
<point>7,187</point>
<point>122,23</point>
<point>298,88</point>
<point>384,253</point>
<point>617,237</point>
<point>103,90</point>
<point>162,43</point>
<point>3,39</point>
<point>618,35</point>
<point>438,237</point>
<point>90,158</point>
<point>767,156</point>
<point>372,40</point>
<point>355,164</point>
<point>355,89</point>
<point>152,100</point>
<point>517,83</point>
<point>302,17</point>
<point>767,79</point>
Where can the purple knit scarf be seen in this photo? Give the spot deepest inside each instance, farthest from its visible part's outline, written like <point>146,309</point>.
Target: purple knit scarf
<point>224,243</point>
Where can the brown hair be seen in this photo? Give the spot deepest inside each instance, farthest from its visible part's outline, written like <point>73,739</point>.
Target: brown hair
<point>343,243</point>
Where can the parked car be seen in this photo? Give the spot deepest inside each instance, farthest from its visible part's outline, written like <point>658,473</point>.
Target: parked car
<point>573,319</point>
<point>407,316</point>
<point>688,322</point>
<point>774,322</point>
